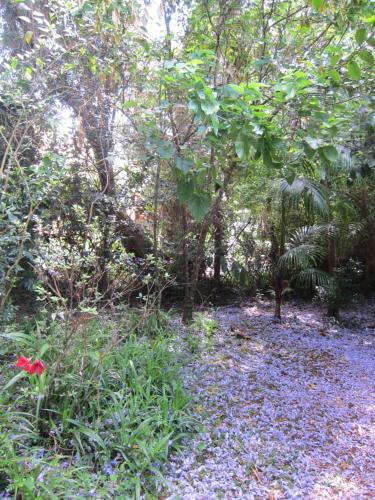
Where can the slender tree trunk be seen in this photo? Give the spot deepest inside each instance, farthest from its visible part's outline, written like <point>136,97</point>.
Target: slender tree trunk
<point>198,259</point>
<point>277,251</point>
<point>332,309</point>
<point>104,258</point>
<point>370,256</point>
<point>188,303</point>
<point>218,242</point>
<point>156,231</point>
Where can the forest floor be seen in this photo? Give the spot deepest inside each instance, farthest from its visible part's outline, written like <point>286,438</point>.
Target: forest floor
<point>288,408</point>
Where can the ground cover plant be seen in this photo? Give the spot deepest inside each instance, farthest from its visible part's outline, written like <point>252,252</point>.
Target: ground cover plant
<point>102,412</point>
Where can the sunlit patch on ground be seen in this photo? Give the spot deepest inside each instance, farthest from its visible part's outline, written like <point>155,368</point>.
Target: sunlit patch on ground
<point>288,409</point>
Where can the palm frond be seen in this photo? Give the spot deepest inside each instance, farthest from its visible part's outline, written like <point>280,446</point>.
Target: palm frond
<point>311,192</point>
<point>301,256</point>
<point>312,278</point>
<point>307,234</point>
<point>345,161</point>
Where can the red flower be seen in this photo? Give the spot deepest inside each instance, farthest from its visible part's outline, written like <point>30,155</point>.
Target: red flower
<point>24,363</point>
<point>37,367</point>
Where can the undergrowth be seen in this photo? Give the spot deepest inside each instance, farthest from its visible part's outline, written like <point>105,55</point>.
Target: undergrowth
<point>100,421</point>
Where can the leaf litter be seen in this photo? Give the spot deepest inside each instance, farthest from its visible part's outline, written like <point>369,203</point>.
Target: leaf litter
<point>288,408</point>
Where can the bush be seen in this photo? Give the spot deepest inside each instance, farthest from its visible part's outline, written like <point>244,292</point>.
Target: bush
<point>109,404</point>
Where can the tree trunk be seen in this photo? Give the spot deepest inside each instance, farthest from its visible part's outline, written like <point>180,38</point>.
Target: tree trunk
<point>277,249</point>
<point>196,263</point>
<point>218,242</point>
<point>333,308</point>
<point>188,304</point>
<point>278,296</point>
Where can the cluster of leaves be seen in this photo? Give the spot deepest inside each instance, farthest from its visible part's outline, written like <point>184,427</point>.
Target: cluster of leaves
<point>112,405</point>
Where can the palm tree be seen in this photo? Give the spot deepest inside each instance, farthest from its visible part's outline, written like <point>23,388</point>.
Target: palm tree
<point>303,256</point>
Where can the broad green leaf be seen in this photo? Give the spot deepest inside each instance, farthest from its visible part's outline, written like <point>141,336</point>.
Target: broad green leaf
<point>334,60</point>
<point>240,146</point>
<point>44,349</point>
<point>269,161</point>
<point>360,35</point>
<point>183,164</point>
<point>335,75</point>
<point>354,71</point>
<point>199,205</point>
<point>287,88</point>
<point>330,153</point>
<point>184,189</point>
<point>366,56</point>
<point>165,150</point>
<point>318,4</point>
<point>210,106</point>
<point>193,105</point>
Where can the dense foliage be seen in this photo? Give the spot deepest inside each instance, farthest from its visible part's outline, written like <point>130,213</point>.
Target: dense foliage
<point>153,150</point>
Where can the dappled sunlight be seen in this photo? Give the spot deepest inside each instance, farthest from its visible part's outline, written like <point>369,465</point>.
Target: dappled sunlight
<point>287,413</point>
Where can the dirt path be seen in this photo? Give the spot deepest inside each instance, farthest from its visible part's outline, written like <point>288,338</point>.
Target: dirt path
<point>289,412</point>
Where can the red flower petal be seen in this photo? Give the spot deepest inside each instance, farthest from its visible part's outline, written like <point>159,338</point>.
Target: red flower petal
<point>24,363</point>
<point>37,367</point>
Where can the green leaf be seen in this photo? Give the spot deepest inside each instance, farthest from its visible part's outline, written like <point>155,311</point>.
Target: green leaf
<point>360,35</point>
<point>240,146</point>
<point>215,123</point>
<point>15,379</point>
<point>165,149</point>
<point>313,142</point>
<point>269,161</point>
<point>184,188</point>
<point>183,164</point>
<point>287,88</point>
<point>129,104</point>
<point>28,37</point>
<point>366,56</point>
<point>23,338</point>
<point>370,20</point>
<point>353,71</point>
<point>318,4</point>
<point>193,105</point>
<point>45,347</point>
<point>209,107</point>
<point>92,435</point>
<point>199,205</point>
<point>335,75</point>
<point>330,153</point>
